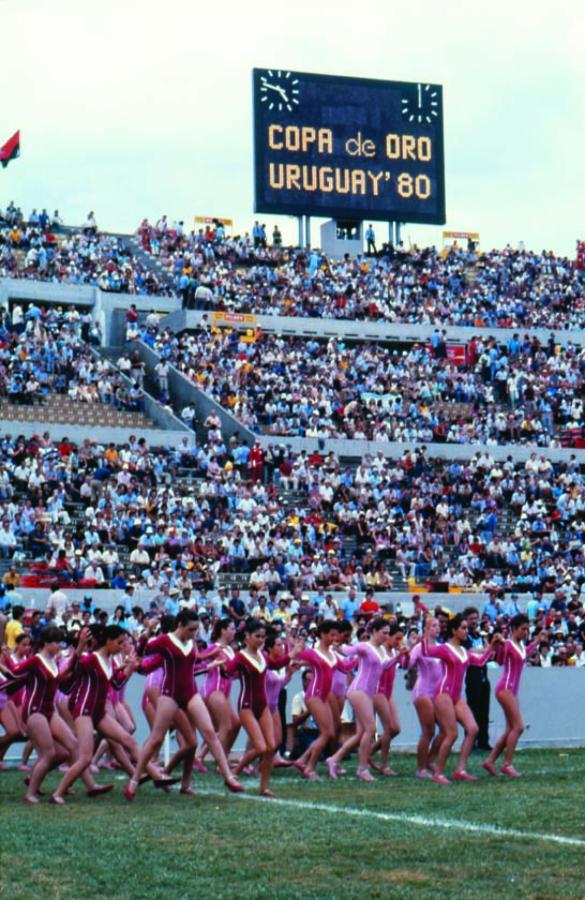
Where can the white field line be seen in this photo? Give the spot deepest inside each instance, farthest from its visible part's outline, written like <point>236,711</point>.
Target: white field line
<point>405,819</point>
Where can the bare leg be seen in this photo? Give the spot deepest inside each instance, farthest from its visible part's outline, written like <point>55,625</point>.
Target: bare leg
<point>425,711</point>
<point>445,712</point>
<point>465,718</point>
<point>514,728</point>
<point>40,734</point>
<point>201,720</point>
<point>84,735</point>
<point>321,712</point>
<point>255,739</point>
<point>166,709</point>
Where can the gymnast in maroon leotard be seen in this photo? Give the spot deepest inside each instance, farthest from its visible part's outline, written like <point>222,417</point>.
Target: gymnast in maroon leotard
<point>251,665</point>
<point>38,677</point>
<point>178,690</point>
<point>93,674</point>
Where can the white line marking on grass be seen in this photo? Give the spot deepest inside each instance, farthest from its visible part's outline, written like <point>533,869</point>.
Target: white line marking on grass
<point>403,818</point>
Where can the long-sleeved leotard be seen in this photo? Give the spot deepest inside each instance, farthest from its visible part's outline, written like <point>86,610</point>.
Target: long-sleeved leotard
<point>178,661</point>
<point>94,677</point>
<point>388,676</point>
<point>513,657</point>
<point>323,668</point>
<point>276,680</point>
<point>456,661</point>
<point>12,664</point>
<point>372,663</point>
<point>252,674</point>
<point>38,679</point>
<point>214,679</point>
<point>429,672</point>
<point>339,682</point>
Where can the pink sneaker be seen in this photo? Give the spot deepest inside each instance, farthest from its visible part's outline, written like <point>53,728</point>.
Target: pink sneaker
<point>490,768</point>
<point>364,775</point>
<point>463,776</point>
<point>440,779</point>
<point>197,764</point>
<point>423,774</point>
<point>310,776</point>
<point>331,768</point>
<point>510,771</point>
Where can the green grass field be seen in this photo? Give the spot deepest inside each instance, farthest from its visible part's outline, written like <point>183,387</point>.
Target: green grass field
<point>395,838</point>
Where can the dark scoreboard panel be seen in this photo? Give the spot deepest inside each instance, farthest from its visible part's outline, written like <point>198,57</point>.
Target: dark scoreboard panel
<point>348,148</point>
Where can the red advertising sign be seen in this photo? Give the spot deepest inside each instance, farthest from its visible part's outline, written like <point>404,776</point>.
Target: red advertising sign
<point>456,354</point>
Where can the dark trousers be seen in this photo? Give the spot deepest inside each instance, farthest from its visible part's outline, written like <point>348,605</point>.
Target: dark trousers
<point>477,688</point>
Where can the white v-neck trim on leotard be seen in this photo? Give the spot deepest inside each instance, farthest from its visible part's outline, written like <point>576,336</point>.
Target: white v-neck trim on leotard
<point>260,667</point>
<point>184,648</point>
<point>49,666</point>
<point>456,652</point>
<point>106,669</point>
<point>520,648</point>
<point>383,656</point>
<point>330,662</point>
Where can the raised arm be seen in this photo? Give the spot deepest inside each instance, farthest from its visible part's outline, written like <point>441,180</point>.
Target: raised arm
<point>280,662</point>
<point>346,665</point>
<point>209,653</point>
<point>437,651</point>
<point>414,655</point>
<point>149,664</point>
<point>480,659</point>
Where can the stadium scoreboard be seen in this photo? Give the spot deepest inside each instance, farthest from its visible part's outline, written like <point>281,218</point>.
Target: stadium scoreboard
<point>348,148</point>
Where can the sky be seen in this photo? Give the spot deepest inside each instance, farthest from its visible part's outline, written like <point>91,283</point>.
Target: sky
<point>134,109</point>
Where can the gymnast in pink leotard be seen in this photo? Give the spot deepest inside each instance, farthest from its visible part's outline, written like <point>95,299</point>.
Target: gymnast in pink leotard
<point>217,686</point>
<point>372,661</point>
<point>276,681</point>
<point>512,655</point>
<point>450,707</point>
<point>384,705</point>
<point>323,661</point>
<point>429,672</point>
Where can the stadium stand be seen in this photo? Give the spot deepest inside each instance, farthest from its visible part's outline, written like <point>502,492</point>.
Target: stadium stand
<point>522,393</point>
<point>499,289</point>
<point>42,249</point>
<point>225,511</point>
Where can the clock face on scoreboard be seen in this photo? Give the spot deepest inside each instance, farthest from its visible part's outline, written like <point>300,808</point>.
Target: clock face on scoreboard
<point>348,148</point>
<point>279,90</point>
<point>420,104</point>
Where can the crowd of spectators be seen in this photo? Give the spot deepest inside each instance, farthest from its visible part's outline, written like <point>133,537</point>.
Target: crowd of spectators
<point>279,521</point>
<point>503,288</point>
<point>247,273</point>
<point>48,350</point>
<point>40,248</point>
<point>519,393</point>
<point>557,622</point>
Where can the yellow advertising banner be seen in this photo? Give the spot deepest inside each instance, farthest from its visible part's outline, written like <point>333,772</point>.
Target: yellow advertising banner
<point>231,320</point>
<point>209,220</point>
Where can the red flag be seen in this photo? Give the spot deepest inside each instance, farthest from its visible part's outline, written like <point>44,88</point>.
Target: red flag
<point>10,150</point>
<point>581,254</point>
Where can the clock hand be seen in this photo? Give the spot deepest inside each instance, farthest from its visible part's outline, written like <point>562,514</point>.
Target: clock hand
<point>277,88</point>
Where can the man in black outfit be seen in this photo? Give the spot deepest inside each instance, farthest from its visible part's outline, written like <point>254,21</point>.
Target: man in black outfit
<point>477,685</point>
